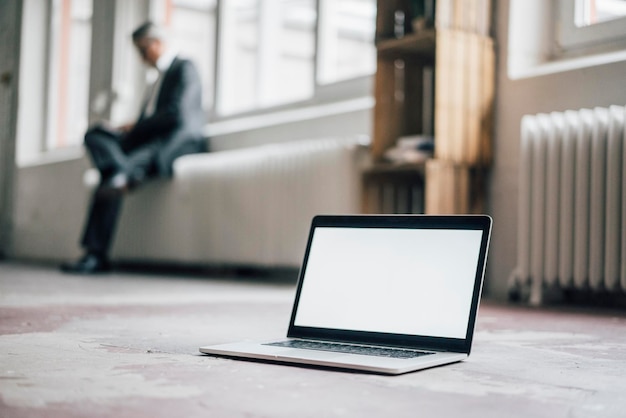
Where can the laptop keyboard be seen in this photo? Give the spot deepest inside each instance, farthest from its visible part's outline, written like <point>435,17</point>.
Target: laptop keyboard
<point>350,348</point>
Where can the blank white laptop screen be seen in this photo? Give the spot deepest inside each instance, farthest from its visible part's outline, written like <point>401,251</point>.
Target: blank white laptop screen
<point>401,281</point>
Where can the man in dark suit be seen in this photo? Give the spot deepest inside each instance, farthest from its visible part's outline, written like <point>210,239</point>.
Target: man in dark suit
<point>170,125</point>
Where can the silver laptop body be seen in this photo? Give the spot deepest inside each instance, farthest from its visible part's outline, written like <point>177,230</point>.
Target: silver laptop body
<point>382,293</point>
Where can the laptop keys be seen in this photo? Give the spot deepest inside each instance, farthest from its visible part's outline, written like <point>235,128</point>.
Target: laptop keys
<point>351,349</point>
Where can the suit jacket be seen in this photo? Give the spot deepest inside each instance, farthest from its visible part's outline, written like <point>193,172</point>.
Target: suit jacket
<point>176,126</point>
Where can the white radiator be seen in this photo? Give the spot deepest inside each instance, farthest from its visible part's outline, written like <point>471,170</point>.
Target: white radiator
<point>249,206</point>
<point>572,202</point>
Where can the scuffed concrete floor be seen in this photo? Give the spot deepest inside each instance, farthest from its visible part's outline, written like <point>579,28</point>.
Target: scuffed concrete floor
<point>125,345</point>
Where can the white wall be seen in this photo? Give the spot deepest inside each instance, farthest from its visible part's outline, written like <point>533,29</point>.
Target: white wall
<point>602,85</point>
<point>49,210</point>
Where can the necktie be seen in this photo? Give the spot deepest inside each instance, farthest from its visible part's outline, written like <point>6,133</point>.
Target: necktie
<point>154,94</point>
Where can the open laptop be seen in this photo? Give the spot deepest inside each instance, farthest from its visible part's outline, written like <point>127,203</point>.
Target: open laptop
<point>386,294</point>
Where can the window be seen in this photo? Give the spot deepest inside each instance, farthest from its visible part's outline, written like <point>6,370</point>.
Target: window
<point>68,77</point>
<point>271,54</point>
<point>346,38</point>
<point>588,23</point>
<point>593,12</point>
<point>267,53</point>
<point>548,37</point>
<point>274,52</point>
<point>193,27</point>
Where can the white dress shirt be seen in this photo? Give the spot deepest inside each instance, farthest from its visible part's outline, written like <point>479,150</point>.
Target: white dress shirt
<point>163,64</point>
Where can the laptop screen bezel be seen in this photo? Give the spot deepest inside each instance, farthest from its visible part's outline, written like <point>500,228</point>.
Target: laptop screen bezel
<point>453,222</point>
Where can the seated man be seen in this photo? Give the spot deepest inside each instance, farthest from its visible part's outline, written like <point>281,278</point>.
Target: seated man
<point>170,125</point>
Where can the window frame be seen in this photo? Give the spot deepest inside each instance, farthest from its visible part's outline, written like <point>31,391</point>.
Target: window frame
<point>323,92</point>
<point>572,37</point>
<point>533,48</point>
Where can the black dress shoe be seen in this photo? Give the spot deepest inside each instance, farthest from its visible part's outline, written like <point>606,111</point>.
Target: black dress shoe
<point>89,264</point>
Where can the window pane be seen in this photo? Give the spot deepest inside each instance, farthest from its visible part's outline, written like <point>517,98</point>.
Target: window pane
<point>590,12</point>
<point>347,30</point>
<point>238,55</point>
<point>267,53</point>
<point>287,52</point>
<point>193,30</point>
<point>69,72</point>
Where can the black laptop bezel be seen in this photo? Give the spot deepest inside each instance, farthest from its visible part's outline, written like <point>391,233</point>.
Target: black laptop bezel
<point>458,345</point>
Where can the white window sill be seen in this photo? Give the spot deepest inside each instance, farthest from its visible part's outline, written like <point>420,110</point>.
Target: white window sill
<point>519,71</point>
<point>57,156</point>
<point>248,123</point>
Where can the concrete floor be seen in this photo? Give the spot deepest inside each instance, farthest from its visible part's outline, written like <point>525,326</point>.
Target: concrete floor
<point>125,345</point>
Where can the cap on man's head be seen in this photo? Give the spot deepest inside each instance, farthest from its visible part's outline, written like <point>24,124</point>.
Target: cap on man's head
<point>149,30</point>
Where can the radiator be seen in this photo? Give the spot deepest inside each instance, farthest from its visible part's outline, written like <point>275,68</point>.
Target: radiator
<point>250,206</point>
<point>255,206</point>
<point>572,202</point>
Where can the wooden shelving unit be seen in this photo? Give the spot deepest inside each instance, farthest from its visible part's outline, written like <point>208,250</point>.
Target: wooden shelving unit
<point>420,44</point>
<point>433,81</point>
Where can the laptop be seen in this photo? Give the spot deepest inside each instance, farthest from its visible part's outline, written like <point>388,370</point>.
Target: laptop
<point>387,294</point>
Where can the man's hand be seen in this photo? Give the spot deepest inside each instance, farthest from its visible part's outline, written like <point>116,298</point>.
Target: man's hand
<point>126,127</point>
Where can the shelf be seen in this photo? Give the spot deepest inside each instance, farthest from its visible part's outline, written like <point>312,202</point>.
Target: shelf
<point>420,43</point>
<point>383,169</point>
<point>394,188</point>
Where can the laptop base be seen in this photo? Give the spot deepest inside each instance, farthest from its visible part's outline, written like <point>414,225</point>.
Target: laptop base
<point>380,365</point>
